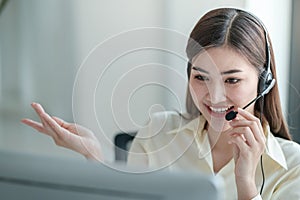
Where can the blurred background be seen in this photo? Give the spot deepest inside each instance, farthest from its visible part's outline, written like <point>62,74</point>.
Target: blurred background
<point>108,64</point>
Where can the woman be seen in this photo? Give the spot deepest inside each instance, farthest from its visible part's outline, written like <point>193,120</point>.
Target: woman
<point>231,63</point>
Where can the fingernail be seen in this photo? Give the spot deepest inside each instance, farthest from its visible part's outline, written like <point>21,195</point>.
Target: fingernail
<point>241,110</point>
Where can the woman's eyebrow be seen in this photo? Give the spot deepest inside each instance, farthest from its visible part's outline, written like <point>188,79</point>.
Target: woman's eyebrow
<point>200,69</point>
<point>231,71</point>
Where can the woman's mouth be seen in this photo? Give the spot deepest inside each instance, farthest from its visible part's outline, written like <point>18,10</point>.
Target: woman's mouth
<point>219,111</point>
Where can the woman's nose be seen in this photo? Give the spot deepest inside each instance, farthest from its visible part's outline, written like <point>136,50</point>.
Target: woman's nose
<point>217,93</point>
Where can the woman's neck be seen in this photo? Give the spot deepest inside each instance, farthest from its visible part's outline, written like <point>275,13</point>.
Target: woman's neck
<point>219,140</point>
<point>221,150</point>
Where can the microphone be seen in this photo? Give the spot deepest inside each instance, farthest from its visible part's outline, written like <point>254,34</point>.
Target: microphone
<point>232,114</point>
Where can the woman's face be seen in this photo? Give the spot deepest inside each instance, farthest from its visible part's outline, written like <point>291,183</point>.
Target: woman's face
<point>222,78</point>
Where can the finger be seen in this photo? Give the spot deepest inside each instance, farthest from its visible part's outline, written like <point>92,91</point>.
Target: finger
<point>240,143</point>
<point>253,121</point>
<point>246,134</point>
<point>47,121</point>
<point>62,123</point>
<point>61,135</point>
<point>59,132</point>
<point>51,126</point>
<point>36,125</point>
<point>250,117</point>
<point>52,123</point>
<point>256,131</point>
<point>38,108</point>
<point>41,113</point>
<point>73,128</point>
<point>255,127</point>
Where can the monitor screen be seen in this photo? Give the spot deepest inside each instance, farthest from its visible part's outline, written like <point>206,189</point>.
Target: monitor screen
<point>24,176</point>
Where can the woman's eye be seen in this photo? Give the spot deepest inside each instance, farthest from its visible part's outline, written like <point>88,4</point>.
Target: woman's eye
<point>201,78</point>
<point>232,80</point>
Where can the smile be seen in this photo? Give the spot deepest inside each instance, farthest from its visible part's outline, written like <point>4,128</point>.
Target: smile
<point>220,110</point>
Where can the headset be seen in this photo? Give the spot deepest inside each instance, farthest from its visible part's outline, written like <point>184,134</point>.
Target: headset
<point>266,81</point>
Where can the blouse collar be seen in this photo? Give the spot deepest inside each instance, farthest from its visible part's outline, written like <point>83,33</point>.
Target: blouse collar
<point>197,125</point>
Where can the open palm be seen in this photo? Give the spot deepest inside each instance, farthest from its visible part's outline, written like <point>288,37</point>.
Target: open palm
<point>68,135</point>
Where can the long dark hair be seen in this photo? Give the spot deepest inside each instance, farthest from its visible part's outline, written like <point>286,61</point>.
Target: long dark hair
<point>244,33</point>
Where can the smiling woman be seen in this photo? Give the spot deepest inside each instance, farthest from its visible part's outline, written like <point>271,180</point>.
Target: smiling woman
<point>230,63</point>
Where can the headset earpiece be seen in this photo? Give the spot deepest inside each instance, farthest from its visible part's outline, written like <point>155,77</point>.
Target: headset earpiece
<point>265,80</point>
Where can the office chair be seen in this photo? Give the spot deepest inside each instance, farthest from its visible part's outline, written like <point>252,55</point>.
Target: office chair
<point>122,143</point>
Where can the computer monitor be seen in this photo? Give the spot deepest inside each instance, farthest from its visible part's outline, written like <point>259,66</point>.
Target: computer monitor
<point>34,177</point>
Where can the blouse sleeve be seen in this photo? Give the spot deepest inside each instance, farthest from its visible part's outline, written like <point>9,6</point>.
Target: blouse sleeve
<point>137,155</point>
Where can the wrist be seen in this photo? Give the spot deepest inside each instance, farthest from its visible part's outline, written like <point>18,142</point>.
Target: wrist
<point>246,189</point>
<point>93,158</point>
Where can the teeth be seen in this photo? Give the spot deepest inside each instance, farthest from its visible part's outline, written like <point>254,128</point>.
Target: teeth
<point>219,110</point>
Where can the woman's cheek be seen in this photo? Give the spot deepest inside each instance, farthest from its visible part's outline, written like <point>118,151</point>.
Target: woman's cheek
<point>240,98</point>
<point>197,92</point>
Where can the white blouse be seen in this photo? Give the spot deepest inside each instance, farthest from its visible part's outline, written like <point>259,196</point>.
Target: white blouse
<point>172,142</point>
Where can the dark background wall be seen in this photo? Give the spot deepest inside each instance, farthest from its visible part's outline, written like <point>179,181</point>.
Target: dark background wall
<point>294,87</point>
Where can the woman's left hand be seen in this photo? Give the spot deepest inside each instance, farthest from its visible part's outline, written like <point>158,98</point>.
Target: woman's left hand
<point>248,140</point>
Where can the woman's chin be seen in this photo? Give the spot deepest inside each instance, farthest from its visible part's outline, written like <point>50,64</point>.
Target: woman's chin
<point>219,124</point>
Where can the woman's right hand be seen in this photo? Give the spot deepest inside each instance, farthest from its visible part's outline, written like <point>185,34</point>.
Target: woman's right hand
<point>68,135</point>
